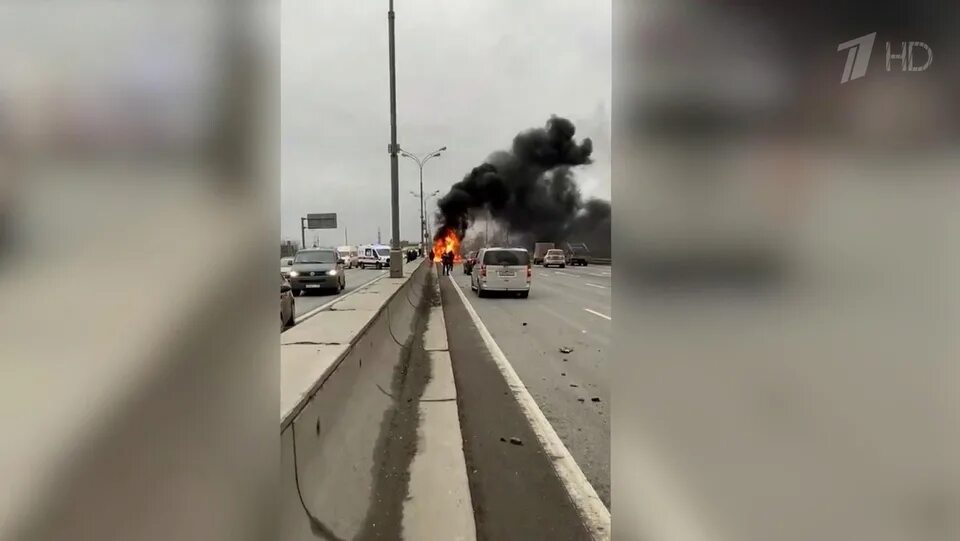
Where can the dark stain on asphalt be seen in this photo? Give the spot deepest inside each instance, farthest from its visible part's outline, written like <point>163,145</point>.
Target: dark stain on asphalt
<point>397,443</point>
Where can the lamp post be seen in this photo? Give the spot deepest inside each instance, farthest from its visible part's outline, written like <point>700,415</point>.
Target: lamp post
<point>420,162</point>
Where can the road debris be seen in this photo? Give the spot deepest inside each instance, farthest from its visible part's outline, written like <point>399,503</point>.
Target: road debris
<point>516,441</point>
<point>574,385</point>
<point>580,400</point>
<point>524,323</point>
<point>595,399</point>
<point>566,349</point>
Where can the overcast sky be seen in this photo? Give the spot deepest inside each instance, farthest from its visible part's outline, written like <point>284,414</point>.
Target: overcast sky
<point>470,75</point>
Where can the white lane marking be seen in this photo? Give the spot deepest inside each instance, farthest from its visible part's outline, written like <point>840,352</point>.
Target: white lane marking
<point>600,275</point>
<point>604,316</point>
<point>565,273</point>
<point>596,285</point>
<point>338,298</point>
<point>595,515</point>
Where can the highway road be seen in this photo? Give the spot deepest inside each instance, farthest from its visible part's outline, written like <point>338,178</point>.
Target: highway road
<point>566,308</point>
<point>355,278</point>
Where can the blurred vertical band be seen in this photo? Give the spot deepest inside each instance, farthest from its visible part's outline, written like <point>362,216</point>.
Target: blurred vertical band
<point>785,324</point>
<point>138,213</point>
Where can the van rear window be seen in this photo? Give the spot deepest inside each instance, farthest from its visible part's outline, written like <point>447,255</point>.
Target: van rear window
<point>506,257</point>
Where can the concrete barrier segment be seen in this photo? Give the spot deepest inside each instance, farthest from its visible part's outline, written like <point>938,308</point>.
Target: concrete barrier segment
<point>439,504</point>
<point>350,432</point>
<point>344,323</point>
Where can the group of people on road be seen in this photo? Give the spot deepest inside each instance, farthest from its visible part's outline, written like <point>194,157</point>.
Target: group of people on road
<point>446,261</point>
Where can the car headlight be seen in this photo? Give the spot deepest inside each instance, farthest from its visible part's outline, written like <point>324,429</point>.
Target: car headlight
<point>332,272</point>
<point>294,274</point>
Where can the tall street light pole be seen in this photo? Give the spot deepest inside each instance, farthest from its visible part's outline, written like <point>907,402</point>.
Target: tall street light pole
<point>396,262</point>
<point>423,208</point>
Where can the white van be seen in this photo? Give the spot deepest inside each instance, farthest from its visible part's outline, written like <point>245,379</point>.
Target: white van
<point>349,255</point>
<point>374,255</point>
<point>502,269</point>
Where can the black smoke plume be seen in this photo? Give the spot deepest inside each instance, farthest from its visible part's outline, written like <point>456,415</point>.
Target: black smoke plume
<point>530,189</point>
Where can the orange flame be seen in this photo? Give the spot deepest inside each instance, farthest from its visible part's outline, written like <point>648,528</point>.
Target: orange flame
<point>447,242</point>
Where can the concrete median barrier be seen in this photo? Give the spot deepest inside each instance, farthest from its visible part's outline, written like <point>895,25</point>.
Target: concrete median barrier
<point>343,422</point>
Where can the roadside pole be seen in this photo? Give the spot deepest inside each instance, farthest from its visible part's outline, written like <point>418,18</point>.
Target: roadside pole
<point>396,264</point>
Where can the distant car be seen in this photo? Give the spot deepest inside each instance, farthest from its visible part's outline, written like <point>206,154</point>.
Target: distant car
<point>469,262</point>
<point>317,269</point>
<point>502,269</point>
<point>288,305</point>
<point>412,254</point>
<point>555,258</point>
<point>349,256</point>
<point>285,264</point>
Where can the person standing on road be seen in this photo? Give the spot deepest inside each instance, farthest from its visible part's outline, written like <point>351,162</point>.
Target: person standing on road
<point>448,262</point>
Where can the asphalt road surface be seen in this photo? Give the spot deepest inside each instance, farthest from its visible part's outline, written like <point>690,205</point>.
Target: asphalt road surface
<point>567,307</point>
<point>355,278</point>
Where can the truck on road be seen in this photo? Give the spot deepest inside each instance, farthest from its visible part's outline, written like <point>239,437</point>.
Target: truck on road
<point>540,250</point>
<point>578,254</point>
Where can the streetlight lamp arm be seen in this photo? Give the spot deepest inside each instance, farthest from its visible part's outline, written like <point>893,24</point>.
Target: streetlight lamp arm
<point>406,154</point>
<point>420,164</point>
<point>422,160</point>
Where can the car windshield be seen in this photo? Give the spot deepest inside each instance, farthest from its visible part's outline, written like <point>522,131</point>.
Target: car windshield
<point>505,257</point>
<point>344,253</point>
<point>318,256</point>
<point>554,252</point>
<point>383,251</point>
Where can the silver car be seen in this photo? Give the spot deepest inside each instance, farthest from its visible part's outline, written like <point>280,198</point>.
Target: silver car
<point>554,257</point>
<point>502,269</point>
